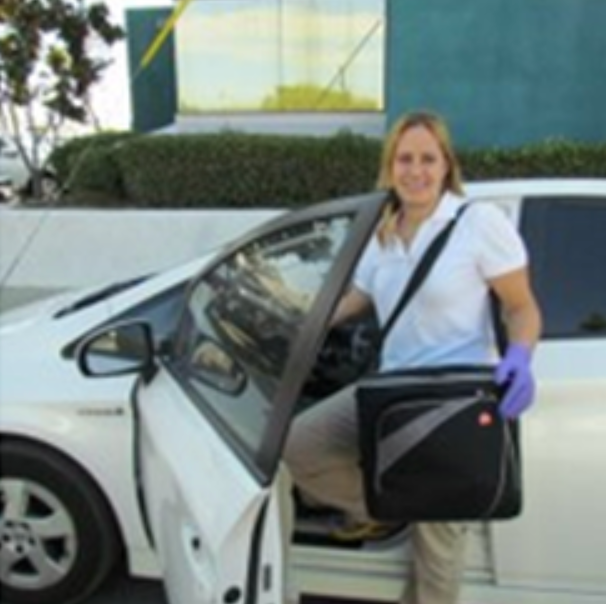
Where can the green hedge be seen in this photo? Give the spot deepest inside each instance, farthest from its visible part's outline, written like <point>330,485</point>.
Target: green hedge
<point>244,170</point>
<point>248,170</point>
<point>87,169</point>
<point>550,158</point>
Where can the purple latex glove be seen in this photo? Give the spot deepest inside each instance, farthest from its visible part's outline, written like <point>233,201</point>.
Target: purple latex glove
<point>514,372</point>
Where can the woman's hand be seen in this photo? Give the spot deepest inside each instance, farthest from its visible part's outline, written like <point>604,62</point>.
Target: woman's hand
<point>514,373</point>
<point>523,322</point>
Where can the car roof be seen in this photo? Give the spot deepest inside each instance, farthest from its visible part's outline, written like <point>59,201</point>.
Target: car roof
<point>554,187</point>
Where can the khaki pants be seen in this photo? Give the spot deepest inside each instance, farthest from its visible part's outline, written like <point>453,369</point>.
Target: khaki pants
<point>322,456</point>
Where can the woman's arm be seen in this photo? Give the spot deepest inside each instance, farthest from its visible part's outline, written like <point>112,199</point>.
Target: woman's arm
<point>352,304</point>
<point>523,323</point>
<point>521,313</point>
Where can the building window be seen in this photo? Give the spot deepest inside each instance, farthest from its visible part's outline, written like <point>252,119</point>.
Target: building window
<point>280,56</point>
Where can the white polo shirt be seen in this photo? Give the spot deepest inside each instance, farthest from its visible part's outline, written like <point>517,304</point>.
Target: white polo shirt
<point>448,320</point>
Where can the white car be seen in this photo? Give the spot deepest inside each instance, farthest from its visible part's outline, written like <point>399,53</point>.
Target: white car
<point>172,460</point>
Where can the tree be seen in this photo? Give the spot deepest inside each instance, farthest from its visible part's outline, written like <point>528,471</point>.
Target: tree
<point>48,65</point>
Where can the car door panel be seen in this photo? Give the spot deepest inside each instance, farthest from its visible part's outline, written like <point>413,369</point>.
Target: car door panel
<point>562,528</point>
<point>213,421</point>
<point>192,499</point>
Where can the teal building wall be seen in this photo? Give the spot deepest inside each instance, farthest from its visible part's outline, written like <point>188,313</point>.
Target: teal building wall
<point>153,89</point>
<point>503,72</point>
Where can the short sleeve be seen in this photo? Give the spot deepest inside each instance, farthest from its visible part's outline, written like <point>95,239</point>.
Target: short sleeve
<point>365,269</point>
<point>500,248</point>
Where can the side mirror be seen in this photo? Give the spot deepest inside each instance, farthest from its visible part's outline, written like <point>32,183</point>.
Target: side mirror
<point>119,349</point>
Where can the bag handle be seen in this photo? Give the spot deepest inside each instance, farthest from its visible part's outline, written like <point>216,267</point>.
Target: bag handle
<point>420,273</point>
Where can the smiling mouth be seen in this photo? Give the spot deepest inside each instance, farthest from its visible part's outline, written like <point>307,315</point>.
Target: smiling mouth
<point>417,188</point>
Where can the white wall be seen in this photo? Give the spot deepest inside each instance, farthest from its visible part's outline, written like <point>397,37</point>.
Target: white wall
<point>371,124</point>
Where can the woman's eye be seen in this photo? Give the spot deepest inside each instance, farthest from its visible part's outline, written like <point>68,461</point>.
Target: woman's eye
<point>425,160</point>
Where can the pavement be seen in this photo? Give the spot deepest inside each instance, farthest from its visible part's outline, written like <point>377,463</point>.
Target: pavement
<point>123,590</point>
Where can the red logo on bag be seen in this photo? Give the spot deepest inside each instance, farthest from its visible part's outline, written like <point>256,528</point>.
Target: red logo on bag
<point>485,419</point>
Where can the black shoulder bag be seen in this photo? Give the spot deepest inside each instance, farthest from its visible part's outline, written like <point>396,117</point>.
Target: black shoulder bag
<point>433,444</point>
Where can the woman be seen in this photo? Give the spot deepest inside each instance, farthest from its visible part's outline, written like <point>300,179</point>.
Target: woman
<point>447,322</point>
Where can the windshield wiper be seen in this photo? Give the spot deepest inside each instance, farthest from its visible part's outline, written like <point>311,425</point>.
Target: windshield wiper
<point>97,296</point>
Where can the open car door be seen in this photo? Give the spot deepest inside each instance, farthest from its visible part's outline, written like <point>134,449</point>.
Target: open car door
<point>213,420</point>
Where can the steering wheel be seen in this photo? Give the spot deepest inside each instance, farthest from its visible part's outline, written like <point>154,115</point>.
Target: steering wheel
<point>348,351</point>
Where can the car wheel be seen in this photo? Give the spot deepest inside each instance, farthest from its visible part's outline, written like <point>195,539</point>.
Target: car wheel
<point>58,539</point>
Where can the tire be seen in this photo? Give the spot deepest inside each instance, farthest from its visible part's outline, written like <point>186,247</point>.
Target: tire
<point>65,563</point>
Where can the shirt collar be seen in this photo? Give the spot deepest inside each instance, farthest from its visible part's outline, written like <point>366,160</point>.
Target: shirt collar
<point>447,208</point>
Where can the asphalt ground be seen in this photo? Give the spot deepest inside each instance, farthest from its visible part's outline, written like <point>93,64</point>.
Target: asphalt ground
<point>121,589</point>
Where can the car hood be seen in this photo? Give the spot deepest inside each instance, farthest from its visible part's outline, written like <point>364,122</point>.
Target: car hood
<point>67,303</point>
<point>24,316</point>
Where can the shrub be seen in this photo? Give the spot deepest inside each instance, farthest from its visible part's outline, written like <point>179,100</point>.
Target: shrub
<point>244,170</point>
<point>549,158</point>
<point>86,167</point>
<point>250,170</point>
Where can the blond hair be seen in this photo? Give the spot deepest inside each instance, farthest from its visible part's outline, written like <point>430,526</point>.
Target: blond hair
<point>452,181</point>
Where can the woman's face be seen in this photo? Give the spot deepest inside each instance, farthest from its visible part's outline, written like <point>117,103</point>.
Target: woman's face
<point>419,168</point>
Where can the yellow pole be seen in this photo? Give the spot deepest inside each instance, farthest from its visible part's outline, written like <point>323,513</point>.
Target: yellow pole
<point>157,42</point>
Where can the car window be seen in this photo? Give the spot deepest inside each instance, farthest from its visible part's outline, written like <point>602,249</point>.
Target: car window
<point>566,239</point>
<point>161,311</point>
<point>245,315</point>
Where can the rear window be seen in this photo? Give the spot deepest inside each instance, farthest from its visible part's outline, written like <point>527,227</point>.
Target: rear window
<point>566,238</point>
